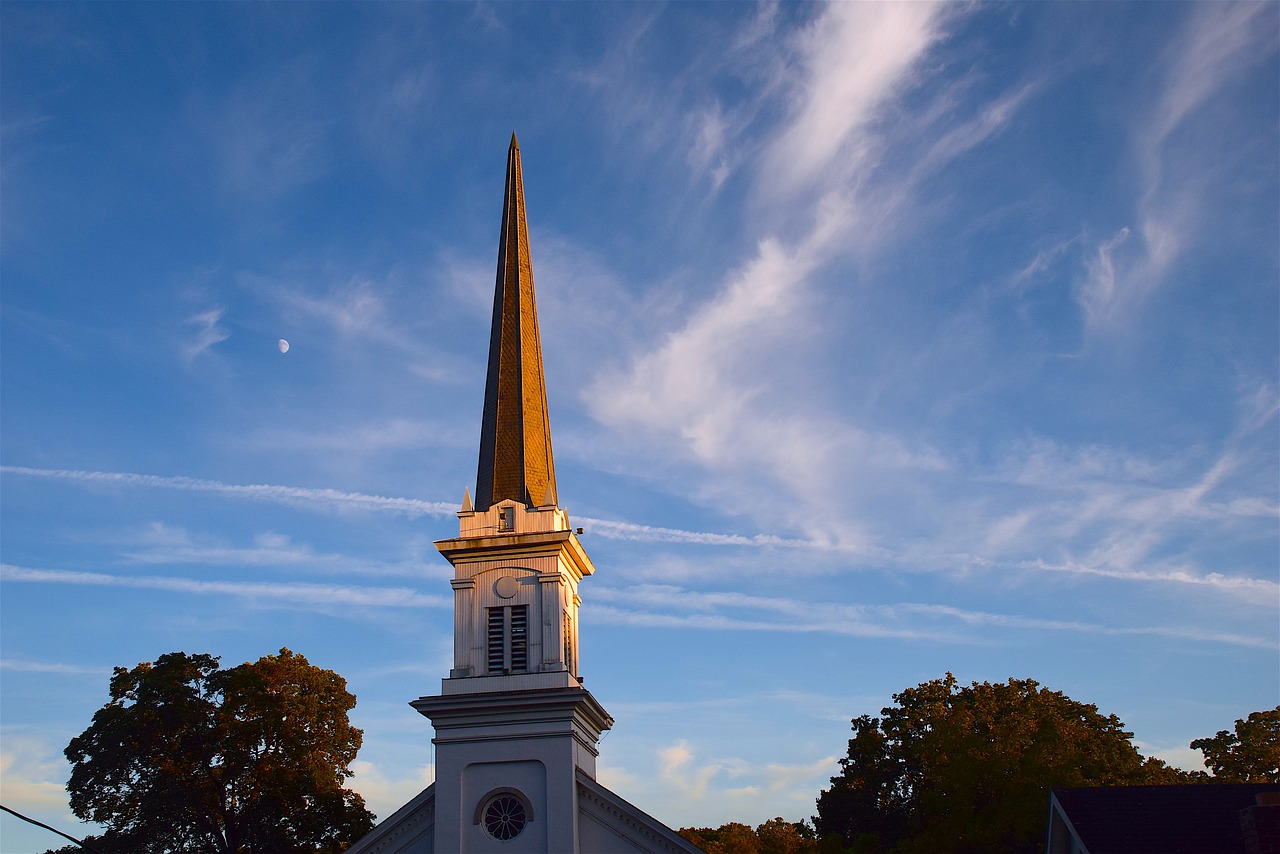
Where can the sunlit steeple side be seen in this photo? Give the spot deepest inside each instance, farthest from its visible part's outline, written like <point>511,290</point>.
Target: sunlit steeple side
<point>515,435</point>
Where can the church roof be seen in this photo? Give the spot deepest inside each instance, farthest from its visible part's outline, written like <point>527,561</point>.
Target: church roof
<point>515,435</point>
<point>1196,817</point>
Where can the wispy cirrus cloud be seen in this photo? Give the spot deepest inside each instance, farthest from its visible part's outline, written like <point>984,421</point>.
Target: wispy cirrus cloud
<point>616,530</point>
<point>1178,178</point>
<point>672,606</point>
<point>356,307</point>
<point>162,545</point>
<point>269,134</point>
<point>208,332</point>
<point>332,498</point>
<point>850,62</point>
<point>387,435</point>
<point>1118,516</point>
<point>1092,499</point>
<point>726,386</point>
<point>340,500</point>
<point>1259,591</point>
<point>353,314</point>
<point>267,594</point>
<point>20,665</point>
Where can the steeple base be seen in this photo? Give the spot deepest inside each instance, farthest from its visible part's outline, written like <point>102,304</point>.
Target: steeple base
<point>522,749</point>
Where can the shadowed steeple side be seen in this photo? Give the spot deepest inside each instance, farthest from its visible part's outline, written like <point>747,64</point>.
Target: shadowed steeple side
<point>515,435</point>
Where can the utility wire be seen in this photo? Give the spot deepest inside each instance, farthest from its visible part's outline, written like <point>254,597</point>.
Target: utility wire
<point>47,827</point>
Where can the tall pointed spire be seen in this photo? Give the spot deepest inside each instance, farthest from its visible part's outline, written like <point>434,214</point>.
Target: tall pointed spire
<point>515,436</point>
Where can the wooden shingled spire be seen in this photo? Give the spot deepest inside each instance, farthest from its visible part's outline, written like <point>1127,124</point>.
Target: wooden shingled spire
<point>515,435</point>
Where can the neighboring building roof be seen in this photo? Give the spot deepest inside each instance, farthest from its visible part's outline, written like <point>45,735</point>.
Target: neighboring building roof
<point>515,435</point>
<point>1200,818</point>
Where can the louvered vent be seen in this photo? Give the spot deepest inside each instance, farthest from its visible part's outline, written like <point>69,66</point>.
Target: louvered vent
<point>496,638</point>
<point>519,638</point>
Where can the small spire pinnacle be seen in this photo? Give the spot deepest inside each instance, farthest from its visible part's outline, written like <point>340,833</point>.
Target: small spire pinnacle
<point>467,506</point>
<point>515,435</point>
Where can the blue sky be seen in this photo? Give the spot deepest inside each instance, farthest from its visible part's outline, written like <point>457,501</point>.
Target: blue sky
<point>881,341</point>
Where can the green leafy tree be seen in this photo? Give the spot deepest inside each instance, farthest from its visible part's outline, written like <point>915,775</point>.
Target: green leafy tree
<point>968,769</point>
<point>186,757</point>
<point>1250,754</point>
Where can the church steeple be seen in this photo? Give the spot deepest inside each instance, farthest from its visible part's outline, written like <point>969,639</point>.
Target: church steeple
<point>517,733</point>
<point>515,435</point>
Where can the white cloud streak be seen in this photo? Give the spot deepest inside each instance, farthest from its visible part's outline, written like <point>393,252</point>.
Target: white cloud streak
<point>293,594</point>
<point>615,530</point>
<point>1104,501</point>
<point>853,59</point>
<point>335,499</point>
<point>18,665</point>
<point>717,387</point>
<point>272,551</point>
<point>391,435</point>
<point>669,606</point>
<point>208,333</point>
<point>1258,590</point>
<point>1219,41</point>
<point>331,498</point>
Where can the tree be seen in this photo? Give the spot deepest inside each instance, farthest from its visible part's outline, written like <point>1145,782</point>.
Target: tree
<point>186,757</point>
<point>731,838</point>
<point>1251,754</point>
<point>959,769</point>
<point>775,836</point>
<point>779,836</point>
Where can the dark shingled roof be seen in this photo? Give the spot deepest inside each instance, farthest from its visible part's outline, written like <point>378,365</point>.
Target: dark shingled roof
<point>1196,819</point>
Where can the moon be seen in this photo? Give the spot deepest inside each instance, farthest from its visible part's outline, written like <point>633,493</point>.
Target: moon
<point>283,345</point>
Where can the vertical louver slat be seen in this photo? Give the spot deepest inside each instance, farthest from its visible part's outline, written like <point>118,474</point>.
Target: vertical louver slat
<point>568,644</point>
<point>520,638</point>
<point>496,633</point>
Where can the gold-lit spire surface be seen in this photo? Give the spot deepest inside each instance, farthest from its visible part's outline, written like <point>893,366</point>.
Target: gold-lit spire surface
<point>515,435</point>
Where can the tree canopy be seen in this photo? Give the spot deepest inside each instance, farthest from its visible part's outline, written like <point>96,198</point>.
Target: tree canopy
<point>951,768</point>
<point>1250,754</point>
<point>187,757</point>
<point>775,836</point>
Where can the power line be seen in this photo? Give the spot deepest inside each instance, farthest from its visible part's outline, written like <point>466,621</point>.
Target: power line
<point>47,827</point>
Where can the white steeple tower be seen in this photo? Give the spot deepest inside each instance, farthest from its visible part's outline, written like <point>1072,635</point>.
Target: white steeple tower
<point>514,726</point>
<point>516,733</point>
